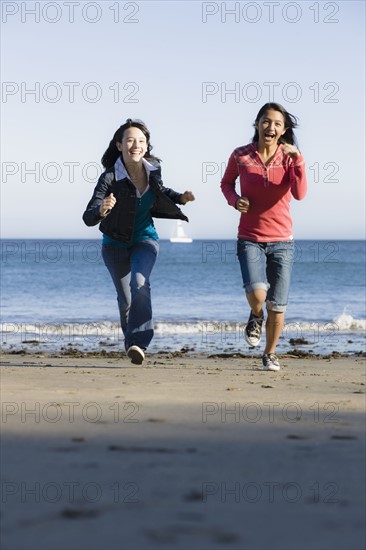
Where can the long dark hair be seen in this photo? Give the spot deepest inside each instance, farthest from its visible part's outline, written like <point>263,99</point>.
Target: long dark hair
<point>290,123</point>
<point>111,154</point>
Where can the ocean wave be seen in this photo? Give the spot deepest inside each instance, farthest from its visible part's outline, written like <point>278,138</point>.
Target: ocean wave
<point>57,332</point>
<point>93,331</point>
<point>346,323</point>
<point>342,323</point>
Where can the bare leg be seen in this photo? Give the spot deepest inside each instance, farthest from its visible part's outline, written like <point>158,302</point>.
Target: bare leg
<point>274,326</point>
<point>256,299</point>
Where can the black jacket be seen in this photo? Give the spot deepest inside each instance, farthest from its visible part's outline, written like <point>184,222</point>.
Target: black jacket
<point>119,223</point>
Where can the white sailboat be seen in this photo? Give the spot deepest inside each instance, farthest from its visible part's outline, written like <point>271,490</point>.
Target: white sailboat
<point>179,234</point>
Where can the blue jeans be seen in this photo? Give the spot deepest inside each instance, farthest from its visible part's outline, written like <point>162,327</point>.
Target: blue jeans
<point>130,269</point>
<point>267,266</point>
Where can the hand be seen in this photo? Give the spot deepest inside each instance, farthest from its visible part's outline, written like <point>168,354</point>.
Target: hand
<point>242,204</point>
<point>107,205</point>
<point>187,196</point>
<point>290,150</point>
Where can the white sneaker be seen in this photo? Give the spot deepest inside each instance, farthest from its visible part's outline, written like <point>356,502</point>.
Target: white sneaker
<point>253,330</point>
<point>270,362</point>
<point>136,355</point>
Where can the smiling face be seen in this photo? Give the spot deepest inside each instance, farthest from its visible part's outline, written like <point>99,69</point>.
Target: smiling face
<point>271,126</point>
<point>133,146</point>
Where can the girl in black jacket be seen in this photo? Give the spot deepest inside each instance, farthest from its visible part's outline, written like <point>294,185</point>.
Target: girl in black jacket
<point>128,194</point>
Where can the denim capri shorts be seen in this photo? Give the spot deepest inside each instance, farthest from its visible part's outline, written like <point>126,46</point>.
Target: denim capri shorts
<point>267,266</point>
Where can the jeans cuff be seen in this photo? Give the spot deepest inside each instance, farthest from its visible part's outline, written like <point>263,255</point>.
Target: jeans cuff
<point>272,306</point>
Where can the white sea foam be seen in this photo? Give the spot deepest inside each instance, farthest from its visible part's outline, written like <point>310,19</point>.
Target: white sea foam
<point>53,333</point>
<point>342,323</point>
<point>347,323</point>
<point>179,328</point>
<point>111,329</point>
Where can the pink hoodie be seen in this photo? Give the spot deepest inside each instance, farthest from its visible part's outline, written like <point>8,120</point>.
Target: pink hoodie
<point>268,189</point>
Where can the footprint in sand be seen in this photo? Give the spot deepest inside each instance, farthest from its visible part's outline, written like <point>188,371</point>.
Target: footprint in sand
<point>343,437</point>
<point>73,513</point>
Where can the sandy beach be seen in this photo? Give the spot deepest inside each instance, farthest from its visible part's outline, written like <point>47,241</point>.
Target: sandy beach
<point>186,452</point>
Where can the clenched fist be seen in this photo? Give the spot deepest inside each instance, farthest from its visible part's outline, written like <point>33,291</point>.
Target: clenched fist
<point>107,205</point>
<point>290,150</point>
<point>242,205</point>
<point>187,196</point>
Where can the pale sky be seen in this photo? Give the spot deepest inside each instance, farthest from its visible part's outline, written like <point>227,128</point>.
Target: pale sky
<point>197,73</point>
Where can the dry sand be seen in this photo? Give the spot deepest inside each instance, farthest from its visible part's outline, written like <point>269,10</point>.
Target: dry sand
<point>186,452</point>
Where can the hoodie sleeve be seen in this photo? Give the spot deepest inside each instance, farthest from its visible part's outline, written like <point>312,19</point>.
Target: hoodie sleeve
<point>228,181</point>
<point>298,178</point>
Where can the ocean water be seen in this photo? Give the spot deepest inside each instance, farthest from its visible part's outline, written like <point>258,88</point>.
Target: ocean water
<point>57,294</point>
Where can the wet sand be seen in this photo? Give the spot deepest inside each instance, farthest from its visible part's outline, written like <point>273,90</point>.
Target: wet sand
<point>186,452</point>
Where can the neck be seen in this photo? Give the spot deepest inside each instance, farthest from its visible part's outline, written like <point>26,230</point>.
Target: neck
<point>134,169</point>
<point>266,150</point>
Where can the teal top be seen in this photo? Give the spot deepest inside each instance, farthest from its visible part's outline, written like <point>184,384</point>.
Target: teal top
<point>144,226</point>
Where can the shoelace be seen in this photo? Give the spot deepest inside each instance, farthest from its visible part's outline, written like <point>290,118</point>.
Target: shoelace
<point>255,327</point>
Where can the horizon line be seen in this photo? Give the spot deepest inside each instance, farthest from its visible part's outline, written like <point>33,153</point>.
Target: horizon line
<point>168,239</point>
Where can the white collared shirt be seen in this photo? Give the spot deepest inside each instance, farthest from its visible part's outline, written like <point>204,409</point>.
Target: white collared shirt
<point>121,172</point>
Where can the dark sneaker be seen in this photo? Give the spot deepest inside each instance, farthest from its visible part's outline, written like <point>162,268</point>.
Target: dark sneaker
<point>136,355</point>
<point>253,330</point>
<point>270,362</point>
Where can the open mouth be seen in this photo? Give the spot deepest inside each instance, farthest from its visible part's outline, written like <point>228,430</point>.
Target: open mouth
<point>269,135</point>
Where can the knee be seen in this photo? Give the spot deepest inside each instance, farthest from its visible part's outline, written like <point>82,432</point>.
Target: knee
<point>257,296</point>
<point>257,290</point>
<point>139,283</point>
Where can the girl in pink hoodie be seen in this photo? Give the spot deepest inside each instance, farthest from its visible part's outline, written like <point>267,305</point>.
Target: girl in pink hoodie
<point>271,171</point>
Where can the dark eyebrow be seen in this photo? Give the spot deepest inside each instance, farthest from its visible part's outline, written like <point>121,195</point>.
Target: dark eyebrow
<point>276,120</point>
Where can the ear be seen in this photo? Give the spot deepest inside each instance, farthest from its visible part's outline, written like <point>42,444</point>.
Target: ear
<point>119,146</point>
